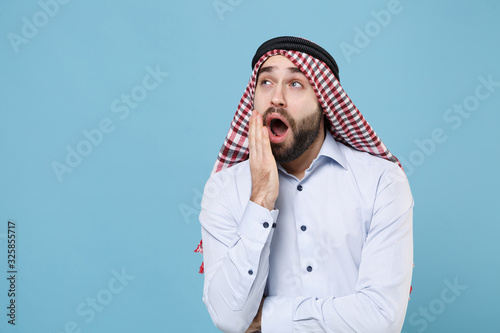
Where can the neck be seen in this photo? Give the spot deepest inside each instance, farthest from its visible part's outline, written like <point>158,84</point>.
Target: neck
<point>298,166</point>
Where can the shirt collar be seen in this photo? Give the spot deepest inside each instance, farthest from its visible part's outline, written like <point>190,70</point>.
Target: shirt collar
<point>331,149</point>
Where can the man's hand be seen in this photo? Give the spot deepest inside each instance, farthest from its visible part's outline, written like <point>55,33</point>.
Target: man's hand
<point>255,326</point>
<point>265,181</point>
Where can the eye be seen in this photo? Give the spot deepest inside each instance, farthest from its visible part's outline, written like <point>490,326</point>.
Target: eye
<point>296,84</point>
<point>265,82</point>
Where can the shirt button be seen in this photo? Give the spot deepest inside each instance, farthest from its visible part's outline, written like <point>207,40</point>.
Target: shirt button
<point>299,187</point>
<point>309,268</point>
<point>303,228</point>
<point>266,225</point>
<point>274,225</point>
<point>250,272</point>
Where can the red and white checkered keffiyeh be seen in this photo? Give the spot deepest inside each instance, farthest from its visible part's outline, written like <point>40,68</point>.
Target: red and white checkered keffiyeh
<point>345,122</point>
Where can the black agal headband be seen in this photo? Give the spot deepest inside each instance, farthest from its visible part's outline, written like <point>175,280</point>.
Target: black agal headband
<point>300,45</point>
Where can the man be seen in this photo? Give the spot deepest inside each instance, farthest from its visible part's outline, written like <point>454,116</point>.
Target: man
<point>307,217</point>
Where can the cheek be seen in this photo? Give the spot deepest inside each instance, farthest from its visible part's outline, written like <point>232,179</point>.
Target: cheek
<point>258,110</point>
<point>257,104</point>
<point>309,103</point>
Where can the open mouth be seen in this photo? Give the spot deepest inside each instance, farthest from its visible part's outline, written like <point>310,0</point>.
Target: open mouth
<point>277,127</point>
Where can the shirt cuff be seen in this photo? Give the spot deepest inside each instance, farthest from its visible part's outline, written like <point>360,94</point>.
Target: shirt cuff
<point>257,222</point>
<point>277,314</point>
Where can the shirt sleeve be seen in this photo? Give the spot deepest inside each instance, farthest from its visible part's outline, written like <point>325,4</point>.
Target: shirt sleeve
<point>381,298</point>
<point>236,257</point>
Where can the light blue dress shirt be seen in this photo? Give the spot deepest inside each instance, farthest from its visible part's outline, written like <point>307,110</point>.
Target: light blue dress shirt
<point>336,255</point>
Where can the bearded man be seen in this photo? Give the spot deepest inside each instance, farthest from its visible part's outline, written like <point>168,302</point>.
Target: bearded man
<point>307,217</point>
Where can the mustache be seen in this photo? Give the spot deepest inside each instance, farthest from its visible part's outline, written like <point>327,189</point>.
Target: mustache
<point>281,111</point>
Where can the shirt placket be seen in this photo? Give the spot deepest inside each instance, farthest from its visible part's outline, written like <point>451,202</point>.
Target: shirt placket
<point>304,229</point>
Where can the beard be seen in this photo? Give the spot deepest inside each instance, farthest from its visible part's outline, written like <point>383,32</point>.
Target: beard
<point>303,134</point>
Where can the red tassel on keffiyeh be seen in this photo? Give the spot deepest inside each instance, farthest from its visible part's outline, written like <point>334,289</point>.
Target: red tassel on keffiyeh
<point>199,249</point>
<point>202,268</point>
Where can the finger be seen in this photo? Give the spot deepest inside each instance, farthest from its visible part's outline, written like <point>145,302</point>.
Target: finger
<point>257,135</point>
<point>251,136</point>
<point>265,137</point>
<point>259,138</point>
<point>266,144</point>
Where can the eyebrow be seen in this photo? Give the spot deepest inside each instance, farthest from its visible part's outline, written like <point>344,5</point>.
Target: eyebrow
<point>269,69</point>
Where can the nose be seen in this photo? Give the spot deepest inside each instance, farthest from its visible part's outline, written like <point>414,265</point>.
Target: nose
<point>278,97</point>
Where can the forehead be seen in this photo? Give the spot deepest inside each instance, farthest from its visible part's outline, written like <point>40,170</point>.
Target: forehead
<point>278,62</point>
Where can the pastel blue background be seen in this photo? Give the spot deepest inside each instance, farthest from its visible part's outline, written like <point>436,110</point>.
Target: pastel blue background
<point>132,202</point>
